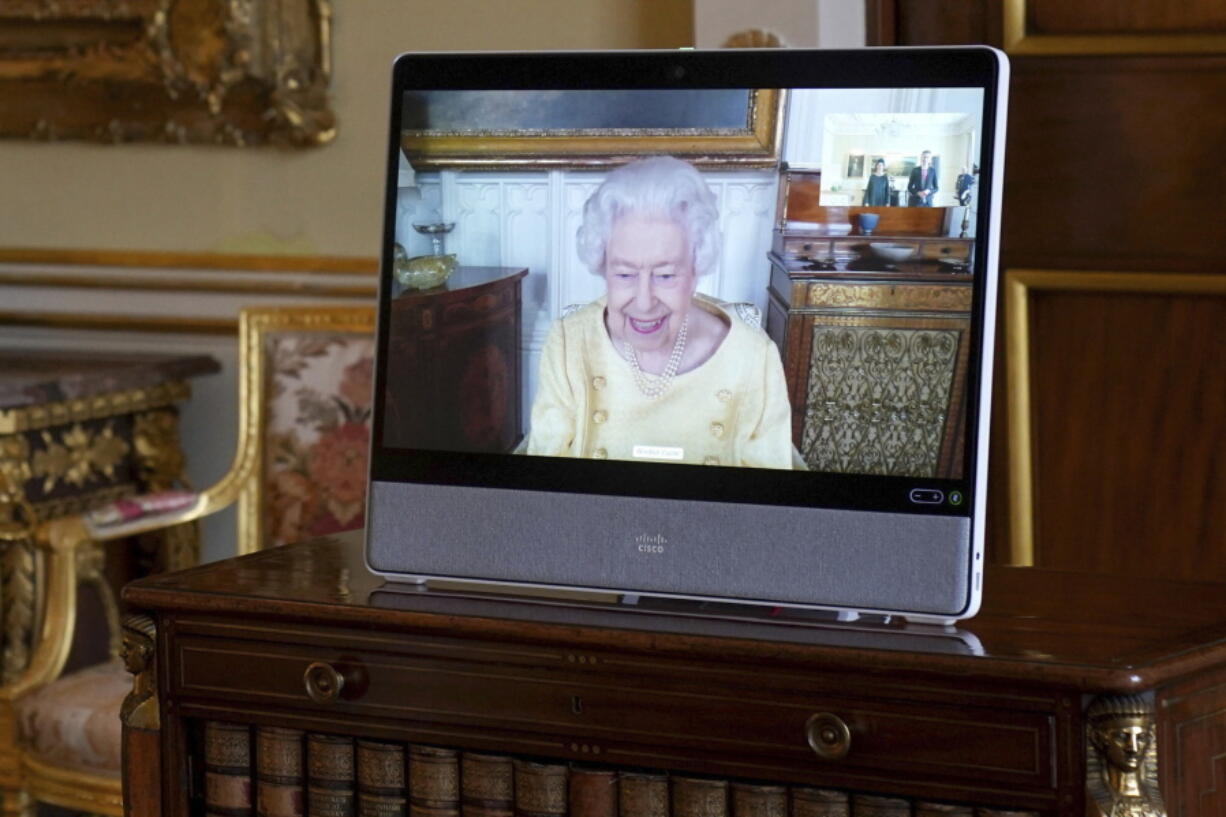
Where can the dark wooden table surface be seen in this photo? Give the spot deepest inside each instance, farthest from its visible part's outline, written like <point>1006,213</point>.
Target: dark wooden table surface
<point>1093,632</point>
<point>992,712</point>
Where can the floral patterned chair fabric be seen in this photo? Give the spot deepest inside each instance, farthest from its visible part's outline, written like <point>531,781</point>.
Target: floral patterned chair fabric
<point>317,433</point>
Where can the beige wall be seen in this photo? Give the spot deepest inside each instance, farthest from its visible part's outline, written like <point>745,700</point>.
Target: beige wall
<point>322,201</point>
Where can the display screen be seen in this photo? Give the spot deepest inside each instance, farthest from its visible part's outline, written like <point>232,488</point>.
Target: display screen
<point>783,280</point>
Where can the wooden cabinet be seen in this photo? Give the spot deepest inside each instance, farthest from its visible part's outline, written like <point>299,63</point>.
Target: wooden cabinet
<point>454,364</point>
<point>992,714</point>
<point>1109,419</point>
<point>876,359</point>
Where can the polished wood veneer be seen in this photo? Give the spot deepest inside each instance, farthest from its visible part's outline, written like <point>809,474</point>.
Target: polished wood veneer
<point>1109,126</point>
<point>989,713</point>
<point>454,372</point>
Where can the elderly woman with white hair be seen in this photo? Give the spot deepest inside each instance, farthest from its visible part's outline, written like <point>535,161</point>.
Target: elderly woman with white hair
<point>652,371</point>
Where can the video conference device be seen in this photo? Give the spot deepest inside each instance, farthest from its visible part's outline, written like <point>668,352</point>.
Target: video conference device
<point>741,347</point>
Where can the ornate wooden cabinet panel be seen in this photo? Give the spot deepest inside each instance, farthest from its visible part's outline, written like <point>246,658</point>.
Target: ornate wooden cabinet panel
<point>876,365</point>
<point>639,712</point>
<point>1190,725</point>
<point>454,364</point>
<point>1014,710</point>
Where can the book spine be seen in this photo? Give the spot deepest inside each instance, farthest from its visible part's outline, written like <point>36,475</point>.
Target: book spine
<point>487,785</point>
<point>750,800</point>
<point>925,809</point>
<point>869,805</point>
<point>330,776</point>
<point>434,782</point>
<point>540,789</point>
<point>227,770</point>
<point>279,784</point>
<point>642,794</point>
<point>592,792</point>
<point>699,797</point>
<point>381,780</point>
<point>808,802</point>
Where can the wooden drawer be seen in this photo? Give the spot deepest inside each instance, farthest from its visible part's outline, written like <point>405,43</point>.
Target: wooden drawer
<point>630,713</point>
<point>961,250</point>
<point>803,247</point>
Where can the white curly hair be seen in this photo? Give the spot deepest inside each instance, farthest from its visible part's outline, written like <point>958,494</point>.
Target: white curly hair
<point>659,186</point>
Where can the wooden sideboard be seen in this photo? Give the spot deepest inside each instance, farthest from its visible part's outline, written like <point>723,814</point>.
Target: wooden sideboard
<point>995,714</point>
<point>875,355</point>
<point>454,369</point>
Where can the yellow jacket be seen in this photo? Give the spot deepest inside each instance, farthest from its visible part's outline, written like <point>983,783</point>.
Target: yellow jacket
<point>731,410</point>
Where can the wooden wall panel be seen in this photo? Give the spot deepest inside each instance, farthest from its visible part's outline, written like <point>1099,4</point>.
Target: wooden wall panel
<point>943,22</point>
<point>1128,396</point>
<point>1108,163</point>
<point>1115,115</point>
<point>1125,17</point>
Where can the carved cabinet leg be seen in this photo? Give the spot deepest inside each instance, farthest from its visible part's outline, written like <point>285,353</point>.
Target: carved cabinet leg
<point>142,734</point>
<point>1122,757</point>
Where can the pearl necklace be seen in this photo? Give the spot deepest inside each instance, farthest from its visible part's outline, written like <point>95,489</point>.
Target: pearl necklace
<point>653,386</point>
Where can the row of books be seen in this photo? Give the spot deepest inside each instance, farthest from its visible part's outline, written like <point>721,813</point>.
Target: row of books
<point>299,774</point>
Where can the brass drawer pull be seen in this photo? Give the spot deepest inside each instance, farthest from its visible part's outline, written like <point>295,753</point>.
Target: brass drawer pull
<point>323,683</point>
<point>828,736</point>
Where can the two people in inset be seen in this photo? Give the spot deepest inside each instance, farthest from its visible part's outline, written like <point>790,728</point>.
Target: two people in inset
<point>922,185</point>
<point>652,371</point>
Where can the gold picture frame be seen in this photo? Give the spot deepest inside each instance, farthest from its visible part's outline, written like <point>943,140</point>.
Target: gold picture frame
<point>189,71</point>
<point>1018,39</point>
<point>1019,284</point>
<point>753,141</point>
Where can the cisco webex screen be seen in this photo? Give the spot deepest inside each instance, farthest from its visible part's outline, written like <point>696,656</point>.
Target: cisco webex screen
<point>732,278</point>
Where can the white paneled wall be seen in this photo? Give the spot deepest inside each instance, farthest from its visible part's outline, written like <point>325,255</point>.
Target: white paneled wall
<point>529,219</point>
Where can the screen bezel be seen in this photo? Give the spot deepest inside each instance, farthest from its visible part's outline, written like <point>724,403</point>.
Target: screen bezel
<point>971,67</point>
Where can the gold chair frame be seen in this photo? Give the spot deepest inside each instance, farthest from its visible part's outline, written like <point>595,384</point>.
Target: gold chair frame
<point>66,544</point>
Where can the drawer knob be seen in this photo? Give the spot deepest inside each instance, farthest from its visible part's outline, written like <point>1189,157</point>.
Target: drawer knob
<point>828,736</point>
<point>323,683</point>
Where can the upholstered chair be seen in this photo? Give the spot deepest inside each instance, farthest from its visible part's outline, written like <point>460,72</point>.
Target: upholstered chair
<point>299,471</point>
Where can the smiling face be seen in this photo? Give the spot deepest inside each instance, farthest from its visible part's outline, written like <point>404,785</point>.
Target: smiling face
<point>649,272</point>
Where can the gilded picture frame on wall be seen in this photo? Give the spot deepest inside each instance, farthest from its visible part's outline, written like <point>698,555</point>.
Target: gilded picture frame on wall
<point>189,71</point>
<point>456,130</point>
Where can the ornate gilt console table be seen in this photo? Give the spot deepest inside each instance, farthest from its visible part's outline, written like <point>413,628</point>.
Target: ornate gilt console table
<point>77,430</point>
<point>1069,693</point>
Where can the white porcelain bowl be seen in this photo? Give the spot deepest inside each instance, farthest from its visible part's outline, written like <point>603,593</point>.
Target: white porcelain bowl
<point>891,252</point>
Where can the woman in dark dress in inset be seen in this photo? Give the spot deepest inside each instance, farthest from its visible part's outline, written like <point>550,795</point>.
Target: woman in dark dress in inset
<point>877,193</point>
